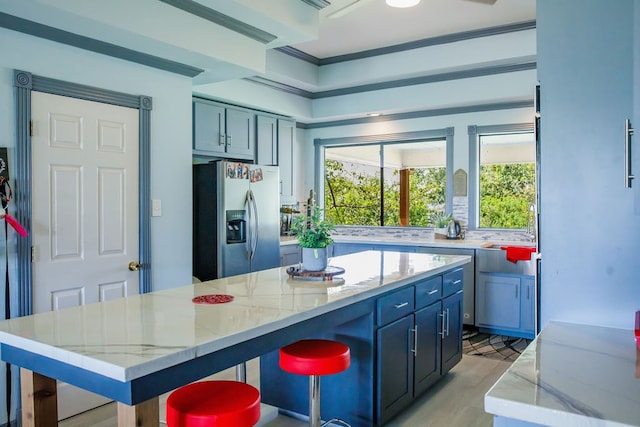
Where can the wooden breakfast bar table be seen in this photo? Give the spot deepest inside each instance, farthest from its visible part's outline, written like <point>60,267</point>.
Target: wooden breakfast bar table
<point>134,349</point>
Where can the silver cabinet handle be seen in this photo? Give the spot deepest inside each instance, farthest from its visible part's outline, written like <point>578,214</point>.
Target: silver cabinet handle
<point>221,139</point>
<point>442,324</point>
<point>457,281</point>
<point>414,350</point>
<point>228,140</point>
<point>628,132</point>
<point>404,304</point>
<point>435,291</point>
<point>447,322</point>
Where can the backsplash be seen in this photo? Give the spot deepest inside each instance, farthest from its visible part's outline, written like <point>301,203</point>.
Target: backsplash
<point>427,233</point>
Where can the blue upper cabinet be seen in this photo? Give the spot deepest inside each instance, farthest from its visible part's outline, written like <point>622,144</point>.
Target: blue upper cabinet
<point>223,131</point>
<point>589,225</point>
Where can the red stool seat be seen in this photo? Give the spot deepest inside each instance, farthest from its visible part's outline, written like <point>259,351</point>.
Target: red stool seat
<point>315,357</point>
<point>214,403</point>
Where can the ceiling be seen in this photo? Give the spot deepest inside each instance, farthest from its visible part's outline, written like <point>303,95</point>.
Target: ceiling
<point>371,24</point>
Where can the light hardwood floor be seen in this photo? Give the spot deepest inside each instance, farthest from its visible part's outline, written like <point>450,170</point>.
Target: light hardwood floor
<point>457,400</point>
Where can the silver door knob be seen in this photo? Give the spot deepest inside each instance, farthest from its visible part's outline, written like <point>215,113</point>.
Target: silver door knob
<point>134,266</point>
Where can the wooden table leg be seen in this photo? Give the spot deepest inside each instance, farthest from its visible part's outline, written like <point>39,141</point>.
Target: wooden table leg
<point>39,400</point>
<point>145,414</point>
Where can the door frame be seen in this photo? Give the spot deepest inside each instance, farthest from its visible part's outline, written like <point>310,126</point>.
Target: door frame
<point>25,82</point>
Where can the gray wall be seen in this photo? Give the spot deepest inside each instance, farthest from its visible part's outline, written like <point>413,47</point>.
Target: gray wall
<point>589,228</point>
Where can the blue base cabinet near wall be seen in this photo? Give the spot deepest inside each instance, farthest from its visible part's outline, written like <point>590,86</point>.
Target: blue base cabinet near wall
<point>505,304</point>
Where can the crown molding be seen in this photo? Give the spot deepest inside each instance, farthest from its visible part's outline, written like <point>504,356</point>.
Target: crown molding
<point>298,54</point>
<point>318,4</point>
<point>280,86</point>
<point>392,84</point>
<point>221,19</point>
<point>417,44</point>
<point>508,105</point>
<point>35,29</point>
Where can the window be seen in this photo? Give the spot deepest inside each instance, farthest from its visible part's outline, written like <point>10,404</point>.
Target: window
<point>506,177</point>
<point>386,183</point>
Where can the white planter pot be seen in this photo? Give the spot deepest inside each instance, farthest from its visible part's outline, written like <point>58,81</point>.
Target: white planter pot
<point>314,259</point>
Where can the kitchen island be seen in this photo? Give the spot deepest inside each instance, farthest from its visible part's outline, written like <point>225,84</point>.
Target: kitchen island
<point>134,349</point>
<point>571,375</point>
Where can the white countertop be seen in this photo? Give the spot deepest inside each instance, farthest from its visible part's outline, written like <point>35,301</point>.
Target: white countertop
<point>572,376</point>
<point>128,338</point>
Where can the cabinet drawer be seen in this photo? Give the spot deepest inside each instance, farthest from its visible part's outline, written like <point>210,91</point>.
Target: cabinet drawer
<point>452,282</point>
<point>428,291</point>
<point>395,305</point>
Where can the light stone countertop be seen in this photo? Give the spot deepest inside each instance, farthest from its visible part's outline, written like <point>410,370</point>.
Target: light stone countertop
<point>572,376</point>
<point>128,338</point>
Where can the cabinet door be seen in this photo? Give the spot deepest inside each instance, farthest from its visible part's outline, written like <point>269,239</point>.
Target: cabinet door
<point>286,139</point>
<point>427,345</point>
<point>498,301</point>
<point>239,134</point>
<point>290,255</point>
<point>528,305</point>
<point>395,368</point>
<point>468,278</point>
<point>452,331</point>
<point>208,127</point>
<point>266,140</point>
<point>349,248</point>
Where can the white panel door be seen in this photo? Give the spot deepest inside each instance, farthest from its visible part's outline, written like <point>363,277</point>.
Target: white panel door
<point>84,210</point>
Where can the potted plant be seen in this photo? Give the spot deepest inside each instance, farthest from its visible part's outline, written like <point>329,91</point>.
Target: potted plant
<point>314,236</point>
<point>440,220</point>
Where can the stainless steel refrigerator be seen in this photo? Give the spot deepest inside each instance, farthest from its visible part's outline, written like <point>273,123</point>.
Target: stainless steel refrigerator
<point>236,219</point>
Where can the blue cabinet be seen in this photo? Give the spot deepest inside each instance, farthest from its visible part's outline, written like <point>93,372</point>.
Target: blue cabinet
<point>394,367</point>
<point>350,248</point>
<point>505,304</point>
<point>419,339</point>
<point>451,331</point>
<point>222,131</point>
<point>527,306</point>
<point>290,255</point>
<point>266,140</point>
<point>402,342</point>
<point>428,345</point>
<point>286,159</point>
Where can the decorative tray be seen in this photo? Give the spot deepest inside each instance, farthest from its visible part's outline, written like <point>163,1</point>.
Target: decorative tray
<point>298,273</point>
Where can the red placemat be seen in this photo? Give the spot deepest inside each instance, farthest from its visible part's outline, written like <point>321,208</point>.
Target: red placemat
<point>212,299</point>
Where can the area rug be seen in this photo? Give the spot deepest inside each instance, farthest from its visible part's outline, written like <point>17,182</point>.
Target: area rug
<point>500,347</point>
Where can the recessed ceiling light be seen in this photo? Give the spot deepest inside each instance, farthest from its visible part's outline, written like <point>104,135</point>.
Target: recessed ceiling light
<point>402,3</point>
<point>374,114</point>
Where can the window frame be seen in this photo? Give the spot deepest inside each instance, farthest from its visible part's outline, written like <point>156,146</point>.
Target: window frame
<point>475,132</point>
<point>394,138</point>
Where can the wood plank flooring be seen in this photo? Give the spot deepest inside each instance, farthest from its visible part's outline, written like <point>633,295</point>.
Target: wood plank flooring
<point>455,401</point>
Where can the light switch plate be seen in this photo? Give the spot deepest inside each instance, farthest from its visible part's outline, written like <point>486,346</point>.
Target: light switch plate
<point>156,207</point>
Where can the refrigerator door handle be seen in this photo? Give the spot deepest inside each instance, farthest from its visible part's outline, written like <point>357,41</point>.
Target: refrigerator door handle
<point>248,207</point>
<point>254,225</point>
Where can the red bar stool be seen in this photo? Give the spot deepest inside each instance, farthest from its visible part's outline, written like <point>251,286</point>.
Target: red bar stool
<point>214,403</point>
<point>315,358</point>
